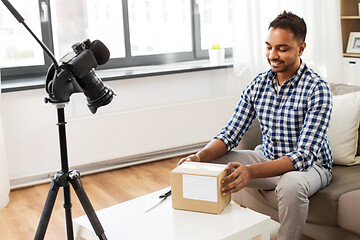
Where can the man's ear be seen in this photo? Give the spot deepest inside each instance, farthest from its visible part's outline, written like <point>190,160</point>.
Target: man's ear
<point>302,48</point>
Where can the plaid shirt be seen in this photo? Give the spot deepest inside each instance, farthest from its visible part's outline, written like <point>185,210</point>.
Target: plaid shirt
<point>293,122</point>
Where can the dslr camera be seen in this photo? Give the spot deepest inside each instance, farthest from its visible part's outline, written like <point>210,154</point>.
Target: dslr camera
<point>77,74</point>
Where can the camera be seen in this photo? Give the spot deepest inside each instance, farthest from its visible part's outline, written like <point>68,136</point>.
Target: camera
<point>77,74</point>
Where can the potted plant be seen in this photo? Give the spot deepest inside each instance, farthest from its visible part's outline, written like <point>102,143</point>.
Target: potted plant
<point>216,55</point>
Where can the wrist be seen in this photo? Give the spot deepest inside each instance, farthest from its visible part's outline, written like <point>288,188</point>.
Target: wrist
<point>251,171</point>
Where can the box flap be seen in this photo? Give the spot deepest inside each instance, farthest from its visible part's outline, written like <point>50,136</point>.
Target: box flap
<point>200,168</point>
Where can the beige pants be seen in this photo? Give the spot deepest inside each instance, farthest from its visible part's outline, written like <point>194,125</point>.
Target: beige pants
<point>292,188</point>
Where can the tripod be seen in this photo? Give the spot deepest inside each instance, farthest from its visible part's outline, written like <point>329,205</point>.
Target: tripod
<point>62,179</point>
<point>60,84</point>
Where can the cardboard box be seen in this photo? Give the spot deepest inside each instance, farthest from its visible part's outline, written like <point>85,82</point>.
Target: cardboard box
<point>196,187</point>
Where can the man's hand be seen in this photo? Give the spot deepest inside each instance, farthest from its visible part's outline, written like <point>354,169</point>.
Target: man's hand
<point>190,158</point>
<point>214,149</point>
<point>237,180</point>
<point>244,174</point>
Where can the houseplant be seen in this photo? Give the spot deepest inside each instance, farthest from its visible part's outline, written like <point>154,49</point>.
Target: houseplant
<point>216,55</point>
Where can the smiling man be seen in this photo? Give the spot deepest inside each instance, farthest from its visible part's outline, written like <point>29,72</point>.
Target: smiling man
<point>293,105</point>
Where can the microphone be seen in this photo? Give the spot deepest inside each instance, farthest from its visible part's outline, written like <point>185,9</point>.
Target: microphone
<point>21,20</point>
<point>100,51</point>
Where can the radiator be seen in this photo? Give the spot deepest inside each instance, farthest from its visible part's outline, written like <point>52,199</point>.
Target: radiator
<point>104,142</point>
<point>144,131</point>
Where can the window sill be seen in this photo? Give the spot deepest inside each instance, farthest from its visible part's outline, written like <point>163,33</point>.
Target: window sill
<point>121,73</point>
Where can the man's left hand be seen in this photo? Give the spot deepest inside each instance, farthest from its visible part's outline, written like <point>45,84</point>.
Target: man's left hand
<point>236,180</point>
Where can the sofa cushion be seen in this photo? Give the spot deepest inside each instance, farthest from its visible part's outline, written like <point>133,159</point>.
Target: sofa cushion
<point>344,128</point>
<point>340,89</point>
<point>323,206</point>
<point>349,211</point>
<point>358,147</point>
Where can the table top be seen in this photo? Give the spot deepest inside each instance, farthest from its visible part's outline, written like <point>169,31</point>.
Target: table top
<point>128,220</point>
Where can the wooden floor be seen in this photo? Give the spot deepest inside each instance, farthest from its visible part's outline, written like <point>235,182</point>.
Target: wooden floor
<point>19,220</point>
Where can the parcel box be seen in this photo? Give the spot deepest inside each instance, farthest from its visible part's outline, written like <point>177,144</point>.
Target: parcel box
<point>196,187</point>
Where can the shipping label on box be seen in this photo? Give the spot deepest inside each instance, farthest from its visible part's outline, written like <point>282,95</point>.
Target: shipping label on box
<point>197,187</point>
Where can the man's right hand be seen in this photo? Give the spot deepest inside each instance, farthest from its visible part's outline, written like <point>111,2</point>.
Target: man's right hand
<point>190,158</point>
<point>214,149</point>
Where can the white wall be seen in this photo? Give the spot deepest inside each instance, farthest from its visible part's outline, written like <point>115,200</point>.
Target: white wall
<point>31,134</point>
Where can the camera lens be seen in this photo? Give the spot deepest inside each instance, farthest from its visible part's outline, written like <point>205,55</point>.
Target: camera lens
<point>97,94</point>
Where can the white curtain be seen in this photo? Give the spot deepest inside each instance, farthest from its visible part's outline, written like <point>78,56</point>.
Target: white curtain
<point>4,179</point>
<point>324,48</point>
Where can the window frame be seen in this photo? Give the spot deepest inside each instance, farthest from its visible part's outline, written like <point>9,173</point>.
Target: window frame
<point>197,53</point>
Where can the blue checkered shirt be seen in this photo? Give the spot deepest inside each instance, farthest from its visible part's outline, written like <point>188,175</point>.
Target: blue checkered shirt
<point>293,121</point>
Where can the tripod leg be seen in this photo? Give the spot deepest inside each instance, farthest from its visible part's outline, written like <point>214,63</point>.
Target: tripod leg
<point>46,213</point>
<point>68,215</point>
<point>85,202</point>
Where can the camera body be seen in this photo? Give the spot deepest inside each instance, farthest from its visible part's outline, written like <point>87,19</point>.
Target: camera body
<point>76,74</point>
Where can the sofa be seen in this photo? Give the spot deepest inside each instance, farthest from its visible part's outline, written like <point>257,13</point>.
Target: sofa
<point>334,212</point>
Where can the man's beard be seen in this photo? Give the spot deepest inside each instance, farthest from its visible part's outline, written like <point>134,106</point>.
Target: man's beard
<point>277,65</point>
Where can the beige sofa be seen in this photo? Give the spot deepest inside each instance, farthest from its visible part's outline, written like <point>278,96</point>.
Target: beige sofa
<point>334,212</point>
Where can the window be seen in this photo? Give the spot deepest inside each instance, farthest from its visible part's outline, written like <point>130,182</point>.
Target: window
<point>137,32</point>
<point>216,23</point>
<point>18,47</point>
<point>75,21</point>
<point>160,26</point>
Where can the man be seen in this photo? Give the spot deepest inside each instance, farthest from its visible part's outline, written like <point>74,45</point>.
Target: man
<point>293,105</point>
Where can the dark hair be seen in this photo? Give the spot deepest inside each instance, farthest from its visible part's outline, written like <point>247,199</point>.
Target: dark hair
<point>292,22</point>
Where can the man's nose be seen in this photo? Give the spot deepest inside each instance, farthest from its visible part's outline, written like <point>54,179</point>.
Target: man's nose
<point>273,54</point>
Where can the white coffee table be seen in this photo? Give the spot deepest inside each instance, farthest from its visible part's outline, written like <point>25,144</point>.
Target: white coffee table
<point>129,221</point>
